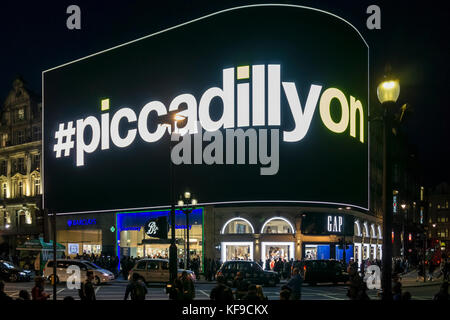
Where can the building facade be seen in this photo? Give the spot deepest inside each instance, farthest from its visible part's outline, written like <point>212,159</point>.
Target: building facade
<point>20,168</point>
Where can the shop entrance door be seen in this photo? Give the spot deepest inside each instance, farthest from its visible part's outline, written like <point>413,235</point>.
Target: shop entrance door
<point>272,251</point>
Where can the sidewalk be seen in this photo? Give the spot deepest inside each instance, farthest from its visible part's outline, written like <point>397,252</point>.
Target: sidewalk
<point>410,280</point>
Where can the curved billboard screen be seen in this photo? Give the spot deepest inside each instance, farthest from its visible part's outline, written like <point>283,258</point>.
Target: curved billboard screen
<point>266,103</point>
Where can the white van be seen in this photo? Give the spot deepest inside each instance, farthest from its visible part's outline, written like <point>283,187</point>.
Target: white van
<point>155,270</point>
<point>100,275</point>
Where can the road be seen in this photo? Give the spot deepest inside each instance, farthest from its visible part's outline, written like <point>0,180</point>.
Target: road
<point>116,291</point>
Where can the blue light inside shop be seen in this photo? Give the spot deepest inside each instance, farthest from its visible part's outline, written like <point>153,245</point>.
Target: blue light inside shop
<point>348,253</point>
<point>127,221</point>
<point>323,252</point>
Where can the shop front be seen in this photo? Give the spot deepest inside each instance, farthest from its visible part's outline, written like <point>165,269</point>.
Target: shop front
<point>86,234</point>
<point>132,240</point>
<point>329,229</point>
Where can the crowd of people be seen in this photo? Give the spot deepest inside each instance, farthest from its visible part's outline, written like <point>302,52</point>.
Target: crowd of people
<point>183,288</point>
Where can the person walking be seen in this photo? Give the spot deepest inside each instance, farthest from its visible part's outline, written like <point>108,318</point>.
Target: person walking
<point>251,294</point>
<point>3,295</point>
<point>221,292</point>
<point>37,292</point>
<point>87,291</point>
<point>136,288</point>
<point>295,284</point>
<point>24,295</point>
<point>188,286</point>
<point>241,286</point>
<point>260,293</point>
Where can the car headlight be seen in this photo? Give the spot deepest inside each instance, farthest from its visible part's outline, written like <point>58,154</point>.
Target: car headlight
<point>106,274</point>
<point>22,273</point>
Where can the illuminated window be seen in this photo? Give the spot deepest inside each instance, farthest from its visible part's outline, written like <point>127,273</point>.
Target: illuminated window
<point>438,206</point>
<point>237,226</point>
<point>20,189</point>
<point>421,193</point>
<point>277,225</point>
<point>28,219</point>
<point>4,188</point>
<point>20,114</point>
<point>37,186</point>
<point>4,142</point>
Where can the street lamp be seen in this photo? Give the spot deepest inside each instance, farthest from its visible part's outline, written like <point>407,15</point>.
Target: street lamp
<point>187,204</point>
<point>387,92</point>
<point>171,119</point>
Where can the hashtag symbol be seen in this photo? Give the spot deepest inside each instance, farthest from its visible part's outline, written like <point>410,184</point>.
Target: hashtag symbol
<point>64,139</point>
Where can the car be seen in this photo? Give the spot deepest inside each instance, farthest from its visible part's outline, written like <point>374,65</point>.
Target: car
<point>12,273</point>
<point>322,271</point>
<point>251,271</point>
<point>155,271</point>
<point>62,274</point>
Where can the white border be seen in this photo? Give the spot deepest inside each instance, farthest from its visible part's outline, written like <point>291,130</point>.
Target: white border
<point>223,248</point>
<point>278,218</point>
<point>234,219</point>
<point>186,23</point>
<point>272,243</point>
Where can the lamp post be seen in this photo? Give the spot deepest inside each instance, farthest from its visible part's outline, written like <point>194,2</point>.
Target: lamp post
<point>170,120</point>
<point>187,204</point>
<point>405,219</point>
<point>387,92</point>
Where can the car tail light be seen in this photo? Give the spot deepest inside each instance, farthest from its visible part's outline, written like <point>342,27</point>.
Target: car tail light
<point>219,273</point>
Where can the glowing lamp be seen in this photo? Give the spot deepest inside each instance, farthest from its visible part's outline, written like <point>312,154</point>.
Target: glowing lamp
<point>388,91</point>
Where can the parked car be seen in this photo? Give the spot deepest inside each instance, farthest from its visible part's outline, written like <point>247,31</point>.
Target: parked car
<point>100,275</point>
<point>321,271</point>
<point>251,271</point>
<point>10,272</point>
<point>155,270</point>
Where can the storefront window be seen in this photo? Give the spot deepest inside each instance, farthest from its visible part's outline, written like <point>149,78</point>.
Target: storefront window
<point>317,252</point>
<point>277,225</point>
<point>237,226</point>
<point>80,241</point>
<point>272,251</point>
<point>237,251</point>
<point>133,242</point>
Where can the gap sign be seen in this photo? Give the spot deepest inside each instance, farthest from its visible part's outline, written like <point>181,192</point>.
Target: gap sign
<point>274,100</point>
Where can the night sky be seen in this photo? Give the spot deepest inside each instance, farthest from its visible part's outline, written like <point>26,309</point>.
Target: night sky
<point>413,39</point>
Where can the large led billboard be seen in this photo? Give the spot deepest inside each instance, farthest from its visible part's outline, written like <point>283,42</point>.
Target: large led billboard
<point>275,105</point>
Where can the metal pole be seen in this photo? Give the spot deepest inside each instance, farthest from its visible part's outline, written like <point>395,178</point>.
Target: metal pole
<point>173,247</point>
<point>187,240</point>
<point>387,205</point>
<point>54,256</point>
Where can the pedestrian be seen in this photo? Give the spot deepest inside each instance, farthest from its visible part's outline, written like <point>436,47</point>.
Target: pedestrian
<point>3,295</point>
<point>442,295</point>
<point>362,293</point>
<point>260,293</point>
<point>37,293</point>
<point>355,284</point>
<point>295,284</point>
<point>188,286</point>
<point>137,289</point>
<point>241,286</point>
<point>221,292</point>
<point>87,291</point>
<point>24,295</point>
<point>285,294</point>
<point>251,294</point>
<point>431,268</point>
<point>397,291</point>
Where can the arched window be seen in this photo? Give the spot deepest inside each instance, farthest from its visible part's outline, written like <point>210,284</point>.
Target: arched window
<point>380,235</point>
<point>366,230</point>
<point>237,226</point>
<point>373,232</point>
<point>357,228</point>
<point>277,225</point>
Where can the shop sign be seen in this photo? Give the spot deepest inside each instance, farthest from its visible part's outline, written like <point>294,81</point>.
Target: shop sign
<point>335,224</point>
<point>73,248</point>
<point>156,228</point>
<point>81,222</point>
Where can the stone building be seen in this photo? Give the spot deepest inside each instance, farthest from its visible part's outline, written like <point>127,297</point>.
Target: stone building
<point>20,168</point>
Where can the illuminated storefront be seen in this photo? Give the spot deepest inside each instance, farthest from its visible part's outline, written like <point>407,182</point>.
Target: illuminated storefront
<point>86,234</point>
<point>133,242</point>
